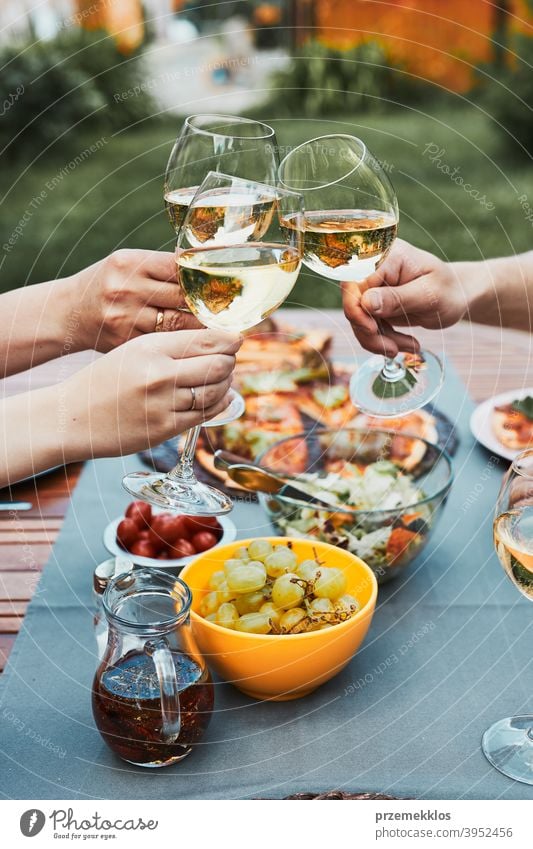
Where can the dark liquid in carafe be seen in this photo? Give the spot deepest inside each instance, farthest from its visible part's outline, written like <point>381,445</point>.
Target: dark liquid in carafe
<point>127,708</point>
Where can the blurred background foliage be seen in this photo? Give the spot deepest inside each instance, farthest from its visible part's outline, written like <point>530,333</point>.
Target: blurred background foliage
<point>430,89</point>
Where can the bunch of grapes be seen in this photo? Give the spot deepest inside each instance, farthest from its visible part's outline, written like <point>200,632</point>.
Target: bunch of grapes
<point>264,590</point>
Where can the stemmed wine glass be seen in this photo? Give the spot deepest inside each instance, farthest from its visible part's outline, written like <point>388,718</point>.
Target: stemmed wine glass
<point>239,253</point>
<point>225,143</point>
<point>508,744</point>
<point>351,221</point>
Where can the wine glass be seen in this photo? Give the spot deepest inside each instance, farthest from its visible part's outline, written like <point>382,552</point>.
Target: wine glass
<point>351,221</point>
<point>508,744</point>
<point>238,256</point>
<point>225,143</point>
<point>230,144</point>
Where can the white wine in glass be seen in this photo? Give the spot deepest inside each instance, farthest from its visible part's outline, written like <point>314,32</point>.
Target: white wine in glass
<point>346,244</point>
<point>228,143</point>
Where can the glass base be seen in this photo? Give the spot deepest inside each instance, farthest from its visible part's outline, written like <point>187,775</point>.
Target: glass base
<point>194,498</point>
<point>387,396</point>
<point>508,746</point>
<point>233,411</point>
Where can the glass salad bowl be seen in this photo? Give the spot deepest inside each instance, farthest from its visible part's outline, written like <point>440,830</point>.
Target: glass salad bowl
<point>386,491</point>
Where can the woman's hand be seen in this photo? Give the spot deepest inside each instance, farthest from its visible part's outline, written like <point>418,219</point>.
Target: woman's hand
<point>120,296</point>
<point>139,394</point>
<point>134,397</point>
<point>412,287</point>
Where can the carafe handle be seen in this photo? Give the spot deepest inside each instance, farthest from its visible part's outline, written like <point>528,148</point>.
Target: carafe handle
<point>160,653</point>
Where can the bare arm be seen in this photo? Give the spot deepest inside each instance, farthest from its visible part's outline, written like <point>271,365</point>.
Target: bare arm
<point>136,396</point>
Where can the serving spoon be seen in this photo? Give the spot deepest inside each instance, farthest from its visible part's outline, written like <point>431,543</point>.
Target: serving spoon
<point>259,479</point>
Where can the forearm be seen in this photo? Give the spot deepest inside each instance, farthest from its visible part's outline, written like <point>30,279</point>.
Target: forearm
<point>33,434</point>
<point>499,291</point>
<point>39,323</point>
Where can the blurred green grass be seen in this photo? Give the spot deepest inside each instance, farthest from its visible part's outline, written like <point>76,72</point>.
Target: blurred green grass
<point>113,198</point>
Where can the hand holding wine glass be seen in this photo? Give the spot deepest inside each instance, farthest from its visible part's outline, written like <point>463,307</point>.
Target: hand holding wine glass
<point>351,222</point>
<point>232,284</point>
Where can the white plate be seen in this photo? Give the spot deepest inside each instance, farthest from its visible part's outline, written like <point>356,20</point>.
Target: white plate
<point>229,532</point>
<point>481,422</point>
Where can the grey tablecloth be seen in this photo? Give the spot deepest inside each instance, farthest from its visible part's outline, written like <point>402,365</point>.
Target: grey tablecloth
<point>449,652</point>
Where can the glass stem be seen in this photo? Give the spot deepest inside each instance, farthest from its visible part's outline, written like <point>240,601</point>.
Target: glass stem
<point>392,370</point>
<point>184,470</point>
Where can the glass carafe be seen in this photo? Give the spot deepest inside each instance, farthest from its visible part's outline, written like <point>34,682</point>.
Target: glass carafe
<point>152,693</point>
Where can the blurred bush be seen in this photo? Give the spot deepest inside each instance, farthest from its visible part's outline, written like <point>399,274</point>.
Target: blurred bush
<point>323,81</point>
<point>52,88</point>
<point>510,99</point>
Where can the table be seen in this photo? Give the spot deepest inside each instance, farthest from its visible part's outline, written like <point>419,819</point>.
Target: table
<point>488,360</point>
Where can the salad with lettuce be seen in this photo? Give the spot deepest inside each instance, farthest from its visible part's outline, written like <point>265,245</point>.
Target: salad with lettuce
<point>382,540</point>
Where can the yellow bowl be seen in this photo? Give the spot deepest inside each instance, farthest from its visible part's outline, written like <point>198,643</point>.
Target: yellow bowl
<point>282,667</point>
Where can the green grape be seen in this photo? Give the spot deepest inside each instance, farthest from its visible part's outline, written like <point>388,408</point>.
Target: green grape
<point>216,579</point>
<point>224,593</point>
<point>287,592</point>
<point>291,618</point>
<point>247,577</point>
<point>231,564</point>
<point>241,553</point>
<point>209,604</point>
<point>281,560</point>
<point>249,602</point>
<point>254,623</point>
<point>211,617</point>
<point>308,570</point>
<point>321,605</point>
<point>259,549</point>
<point>227,615</point>
<point>330,584</point>
<point>272,611</point>
<point>347,604</point>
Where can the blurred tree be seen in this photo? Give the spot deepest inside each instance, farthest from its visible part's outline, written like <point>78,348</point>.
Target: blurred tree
<point>502,13</point>
<point>123,19</point>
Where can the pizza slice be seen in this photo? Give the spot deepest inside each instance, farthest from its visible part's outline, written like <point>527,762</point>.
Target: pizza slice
<point>513,423</point>
<point>406,451</point>
<point>328,402</point>
<point>267,419</point>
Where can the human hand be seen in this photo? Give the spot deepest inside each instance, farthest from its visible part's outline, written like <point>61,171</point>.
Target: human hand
<point>412,287</point>
<point>120,296</point>
<point>138,395</point>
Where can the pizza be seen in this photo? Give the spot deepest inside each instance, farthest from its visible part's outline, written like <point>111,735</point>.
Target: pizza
<point>406,449</point>
<point>512,423</point>
<point>328,402</point>
<point>272,346</point>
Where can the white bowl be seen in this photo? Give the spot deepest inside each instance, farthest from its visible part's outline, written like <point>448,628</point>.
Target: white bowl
<point>229,532</point>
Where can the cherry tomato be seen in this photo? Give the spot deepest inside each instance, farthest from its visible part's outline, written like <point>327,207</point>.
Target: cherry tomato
<point>181,548</point>
<point>163,555</point>
<point>180,524</point>
<point>140,512</point>
<point>166,529</point>
<point>127,533</point>
<point>204,540</point>
<point>204,523</point>
<point>144,534</point>
<point>144,548</point>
